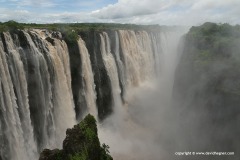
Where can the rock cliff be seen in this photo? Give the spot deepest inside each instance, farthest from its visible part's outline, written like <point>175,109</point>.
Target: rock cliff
<point>207,88</point>
<point>81,143</point>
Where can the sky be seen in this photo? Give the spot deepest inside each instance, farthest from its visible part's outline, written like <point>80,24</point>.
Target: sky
<point>163,12</point>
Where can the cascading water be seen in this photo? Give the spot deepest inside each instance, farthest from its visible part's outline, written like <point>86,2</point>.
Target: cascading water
<point>35,96</point>
<point>39,76</point>
<point>16,129</point>
<point>111,68</point>
<point>138,56</point>
<point>144,131</point>
<point>88,89</point>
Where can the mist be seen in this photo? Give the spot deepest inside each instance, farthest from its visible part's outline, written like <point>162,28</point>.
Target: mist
<point>158,94</point>
<point>145,127</point>
<point>192,105</point>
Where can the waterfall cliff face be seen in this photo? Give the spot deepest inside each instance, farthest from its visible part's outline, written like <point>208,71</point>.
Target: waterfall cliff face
<point>47,85</point>
<point>206,89</point>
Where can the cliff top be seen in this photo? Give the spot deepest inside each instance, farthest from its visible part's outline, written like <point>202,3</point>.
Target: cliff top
<point>12,25</point>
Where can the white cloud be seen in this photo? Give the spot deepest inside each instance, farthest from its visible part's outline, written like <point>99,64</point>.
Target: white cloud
<point>164,12</point>
<point>171,12</point>
<point>128,8</point>
<point>17,15</point>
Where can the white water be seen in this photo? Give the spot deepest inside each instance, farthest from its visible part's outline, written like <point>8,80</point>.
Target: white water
<point>41,72</point>
<point>19,135</point>
<point>144,131</point>
<point>36,92</point>
<point>138,57</point>
<point>63,103</point>
<point>54,105</point>
<point>111,68</point>
<point>87,74</point>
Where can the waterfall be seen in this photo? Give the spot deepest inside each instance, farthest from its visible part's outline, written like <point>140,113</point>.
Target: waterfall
<point>145,129</point>
<point>36,100</point>
<point>40,92</point>
<point>138,56</point>
<point>62,101</point>
<point>45,81</point>
<point>111,68</point>
<point>16,129</point>
<point>88,89</point>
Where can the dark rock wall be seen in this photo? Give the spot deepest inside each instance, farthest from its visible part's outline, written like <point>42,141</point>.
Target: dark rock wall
<point>206,90</point>
<point>101,78</point>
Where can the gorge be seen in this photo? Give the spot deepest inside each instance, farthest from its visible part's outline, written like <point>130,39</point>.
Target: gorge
<point>48,84</point>
<point>154,91</point>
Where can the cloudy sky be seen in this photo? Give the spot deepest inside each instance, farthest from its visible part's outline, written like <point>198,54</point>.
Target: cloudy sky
<point>163,12</point>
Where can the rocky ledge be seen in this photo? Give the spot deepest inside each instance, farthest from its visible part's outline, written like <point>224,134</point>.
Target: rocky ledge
<point>81,143</point>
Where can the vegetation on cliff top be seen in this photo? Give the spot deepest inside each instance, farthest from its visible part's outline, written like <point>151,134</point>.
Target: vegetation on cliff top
<point>214,42</point>
<point>210,64</point>
<point>209,68</point>
<point>81,143</point>
<point>70,31</point>
<point>79,26</point>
